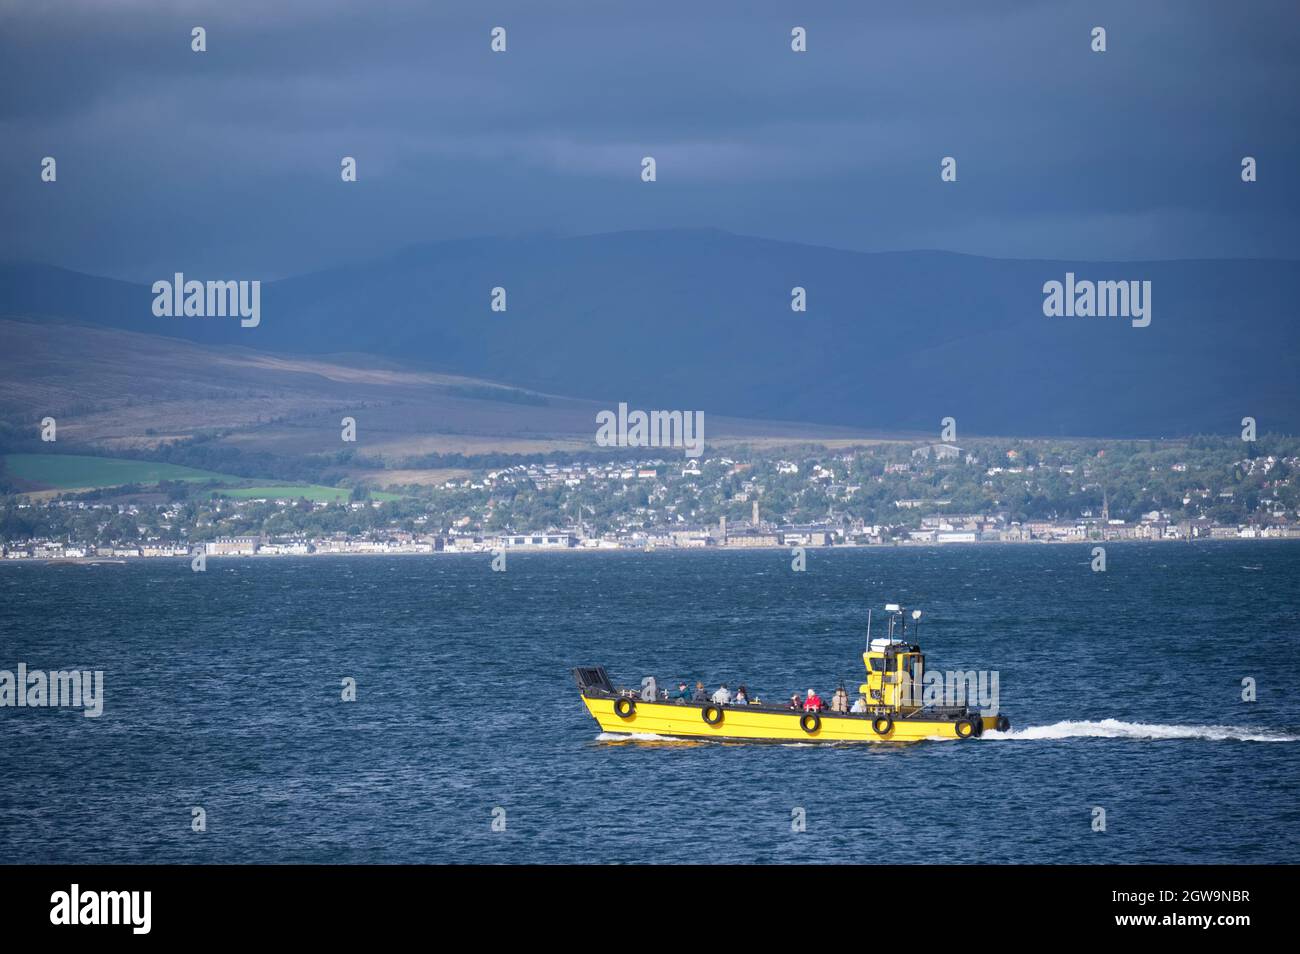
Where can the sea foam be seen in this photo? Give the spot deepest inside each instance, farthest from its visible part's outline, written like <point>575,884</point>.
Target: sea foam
<point>1115,729</point>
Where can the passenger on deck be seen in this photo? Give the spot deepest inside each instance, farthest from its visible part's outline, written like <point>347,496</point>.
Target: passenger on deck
<point>813,703</point>
<point>840,700</point>
<point>700,695</point>
<point>682,695</point>
<point>742,696</point>
<point>722,696</point>
<point>860,705</point>
<point>796,702</point>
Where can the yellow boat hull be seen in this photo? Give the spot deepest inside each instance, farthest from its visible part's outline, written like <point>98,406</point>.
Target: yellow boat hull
<point>761,724</point>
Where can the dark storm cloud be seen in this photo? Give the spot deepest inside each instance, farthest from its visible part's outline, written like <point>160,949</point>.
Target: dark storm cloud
<point>228,160</point>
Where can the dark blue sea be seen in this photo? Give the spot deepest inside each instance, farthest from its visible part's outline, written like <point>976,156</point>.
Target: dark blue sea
<point>222,691</point>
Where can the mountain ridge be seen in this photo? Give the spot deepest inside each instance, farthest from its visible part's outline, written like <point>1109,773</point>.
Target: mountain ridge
<point>701,319</point>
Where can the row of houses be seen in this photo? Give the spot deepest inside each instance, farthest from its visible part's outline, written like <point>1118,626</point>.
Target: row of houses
<point>932,531</point>
<point>1081,532</point>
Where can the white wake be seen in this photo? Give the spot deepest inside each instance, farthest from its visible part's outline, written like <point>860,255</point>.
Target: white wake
<point>1115,729</point>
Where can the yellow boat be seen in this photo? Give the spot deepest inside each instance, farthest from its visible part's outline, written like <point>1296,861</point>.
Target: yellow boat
<point>893,713</point>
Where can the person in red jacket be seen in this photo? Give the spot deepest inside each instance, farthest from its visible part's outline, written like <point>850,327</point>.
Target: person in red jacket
<point>813,703</point>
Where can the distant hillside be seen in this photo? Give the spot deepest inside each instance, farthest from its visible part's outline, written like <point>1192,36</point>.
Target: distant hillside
<point>702,320</point>
<point>122,390</point>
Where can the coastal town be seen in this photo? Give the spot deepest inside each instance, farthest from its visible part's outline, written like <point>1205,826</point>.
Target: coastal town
<point>882,495</point>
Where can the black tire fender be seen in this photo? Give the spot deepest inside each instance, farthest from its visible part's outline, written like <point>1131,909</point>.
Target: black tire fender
<point>806,725</point>
<point>965,728</point>
<point>717,712</point>
<point>882,724</point>
<point>624,707</point>
<point>1004,724</point>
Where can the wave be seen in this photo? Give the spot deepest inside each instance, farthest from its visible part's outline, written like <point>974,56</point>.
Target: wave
<point>639,737</point>
<point>1102,729</point>
<point>1115,729</point>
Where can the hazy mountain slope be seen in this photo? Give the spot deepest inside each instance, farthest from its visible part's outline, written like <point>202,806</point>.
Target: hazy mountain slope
<point>121,389</point>
<point>702,319</point>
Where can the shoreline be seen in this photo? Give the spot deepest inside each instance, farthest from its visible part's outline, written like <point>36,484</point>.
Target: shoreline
<point>784,550</point>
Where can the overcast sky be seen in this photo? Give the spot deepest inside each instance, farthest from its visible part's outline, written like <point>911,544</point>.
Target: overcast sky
<point>227,162</point>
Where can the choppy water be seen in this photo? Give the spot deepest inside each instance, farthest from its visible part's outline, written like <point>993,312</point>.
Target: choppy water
<point>223,691</point>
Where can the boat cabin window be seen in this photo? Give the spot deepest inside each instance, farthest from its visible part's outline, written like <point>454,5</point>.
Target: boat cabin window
<point>877,664</point>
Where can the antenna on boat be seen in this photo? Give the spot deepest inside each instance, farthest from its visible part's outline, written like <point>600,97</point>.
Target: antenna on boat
<point>868,629</point>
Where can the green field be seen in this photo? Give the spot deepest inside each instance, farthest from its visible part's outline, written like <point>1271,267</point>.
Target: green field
<point>73,472</point>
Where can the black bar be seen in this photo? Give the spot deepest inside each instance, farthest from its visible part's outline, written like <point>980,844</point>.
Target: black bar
<point>939,905</point>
